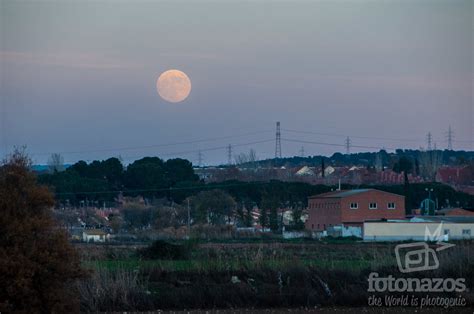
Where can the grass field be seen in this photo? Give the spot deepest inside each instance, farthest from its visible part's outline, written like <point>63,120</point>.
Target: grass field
<point>218,265</point>
<point>288,274</point>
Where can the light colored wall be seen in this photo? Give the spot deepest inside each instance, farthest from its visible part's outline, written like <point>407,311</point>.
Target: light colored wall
<point>96,238</point>
<point>400,231</point>
<point>351,231</point>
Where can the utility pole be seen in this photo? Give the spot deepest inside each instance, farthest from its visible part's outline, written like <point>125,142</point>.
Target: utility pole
<point>229,154</point>
<point>429,139</point>
<point>323,167</point>
<point>450,136</point>
<point>348,145</point>
<point>189,220</point>
<point>278,141</point>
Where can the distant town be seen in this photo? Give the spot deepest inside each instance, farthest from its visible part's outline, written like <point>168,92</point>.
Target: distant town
<point>108,201</point>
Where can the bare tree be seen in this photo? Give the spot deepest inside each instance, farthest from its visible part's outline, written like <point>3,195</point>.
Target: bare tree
<point>241,159</point>
<point>249,158</point>
<point>378,162</point>
<point>252,155</point>
<point>55,163</point>
<point>429,162</point>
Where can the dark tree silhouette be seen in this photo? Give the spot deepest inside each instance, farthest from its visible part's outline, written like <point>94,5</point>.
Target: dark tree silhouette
<point>405,166</point>
<point>38,266</point>
<point>214,206</point>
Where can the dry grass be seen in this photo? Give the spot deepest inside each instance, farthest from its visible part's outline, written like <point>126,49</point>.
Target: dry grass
<point>257,276</point>
<point>114,290</point>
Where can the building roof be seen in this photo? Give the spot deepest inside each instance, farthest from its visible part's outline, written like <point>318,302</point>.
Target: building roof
<point>305,171</point>
<point>451,174</point>
<point>95,232</point>
<point>342,193</point>
<point>426,219</point>
<point>452,219</point>
<point>455,210</point>
<point>347,193</point>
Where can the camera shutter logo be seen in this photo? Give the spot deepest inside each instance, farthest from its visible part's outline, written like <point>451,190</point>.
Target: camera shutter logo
<point>418,256</point>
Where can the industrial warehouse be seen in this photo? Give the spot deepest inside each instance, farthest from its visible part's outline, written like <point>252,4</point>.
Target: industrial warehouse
<point>375,215</point>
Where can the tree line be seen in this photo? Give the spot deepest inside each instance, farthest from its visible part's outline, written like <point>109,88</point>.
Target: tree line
<point>175,180</point>
<point>101,181</point>
<point>371,159</point>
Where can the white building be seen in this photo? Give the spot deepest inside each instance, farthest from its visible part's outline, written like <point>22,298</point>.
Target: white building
<point>305,171</point>
<point>415,229</point>
<point>95,235</point>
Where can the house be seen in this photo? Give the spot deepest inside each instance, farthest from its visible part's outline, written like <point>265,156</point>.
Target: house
<point>305,171</point>
<point>461,175</point>
<point>454,212</point>
<point>352,208</point>
<point>95,235</point>
<point>418,228</point>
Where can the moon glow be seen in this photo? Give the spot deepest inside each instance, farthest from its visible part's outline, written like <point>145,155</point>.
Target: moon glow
<point>173,86</point>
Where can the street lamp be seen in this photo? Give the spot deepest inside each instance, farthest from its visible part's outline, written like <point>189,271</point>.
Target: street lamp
<point>429,193</point>
<point>427,208</point>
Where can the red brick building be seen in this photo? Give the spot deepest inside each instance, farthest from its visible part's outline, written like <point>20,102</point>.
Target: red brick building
<point>352,208</point>
<point>454,212</point>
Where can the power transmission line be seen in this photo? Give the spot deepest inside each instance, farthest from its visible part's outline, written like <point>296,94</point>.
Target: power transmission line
<point>229,154</point>
<point>337,145</point>
<point>234,136</point>
<point>154,145</point>
<point>368,137</point>
<point>199,159</point>
<point>348,145</point>
<point>429,139</point>
<point>214,148</point>
<point>450,136</point>
<point>188,152</point>
<point>352,136</point>
<point>278,141</point>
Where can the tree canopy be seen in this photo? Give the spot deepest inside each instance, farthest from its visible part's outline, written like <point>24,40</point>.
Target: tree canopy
<point>38,266</point>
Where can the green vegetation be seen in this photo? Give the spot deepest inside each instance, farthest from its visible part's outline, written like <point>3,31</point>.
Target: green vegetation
<point>449,157</point>
<point>174,179</point>
<point>252,275</point>
<point>102,180</point>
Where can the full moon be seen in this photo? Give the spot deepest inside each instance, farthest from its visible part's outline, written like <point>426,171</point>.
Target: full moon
<point>173,86</point>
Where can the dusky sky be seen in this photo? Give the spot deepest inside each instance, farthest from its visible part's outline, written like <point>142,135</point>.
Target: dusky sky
<point>78,77</point>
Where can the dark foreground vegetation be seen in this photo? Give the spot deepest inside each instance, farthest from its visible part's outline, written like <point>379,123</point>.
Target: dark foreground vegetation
<point>290,274</point>
<point>38,266</point>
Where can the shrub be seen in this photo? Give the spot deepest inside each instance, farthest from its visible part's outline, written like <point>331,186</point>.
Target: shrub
<point>114,290</point>
<point>160,249</point>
